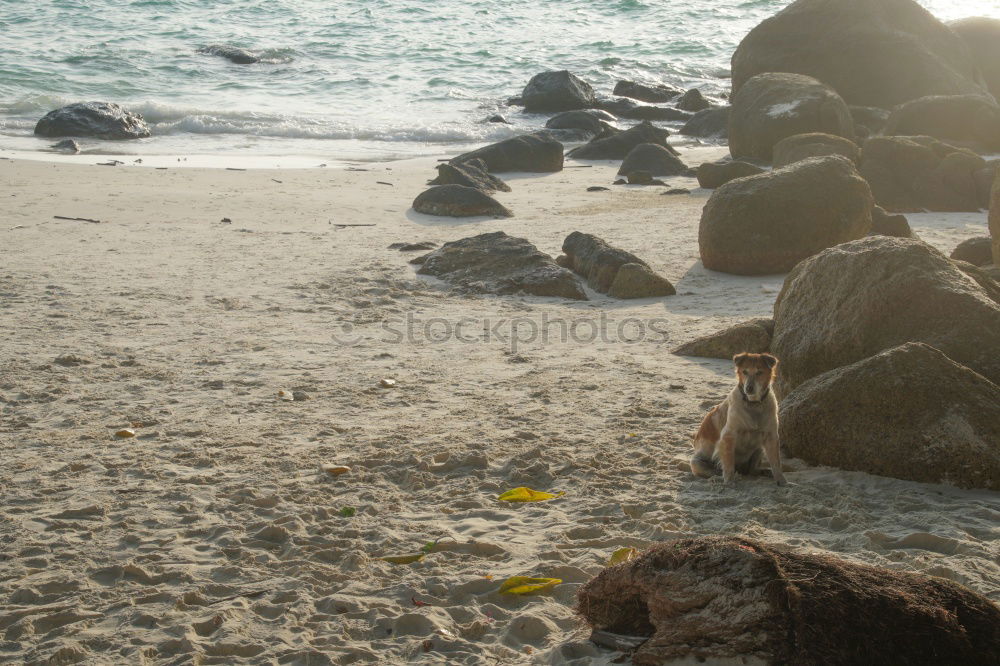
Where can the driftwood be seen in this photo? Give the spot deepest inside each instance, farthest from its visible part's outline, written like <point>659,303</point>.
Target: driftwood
<point>76,219</point>
<point>731,598</point>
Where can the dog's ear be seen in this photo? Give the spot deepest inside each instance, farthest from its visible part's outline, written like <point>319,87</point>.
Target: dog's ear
<point>769,360</point>
<point>739,358</point>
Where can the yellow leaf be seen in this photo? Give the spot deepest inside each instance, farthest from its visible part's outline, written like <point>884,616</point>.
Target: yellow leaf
<point>622,555</point>
<point>335,470</point>
<point>403,559</point>
<point>527,585</point>
<point>524,494</point>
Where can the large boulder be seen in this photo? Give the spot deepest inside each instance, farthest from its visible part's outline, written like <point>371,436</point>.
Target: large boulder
<point>458,201</point>
<point>994,219</point>
<point>770,107</point>
<point>656,93</point>
<point>872,53</point>
<point>654,159</point>
<point>972,120</point>
<point>859,298</point>
<point>716,174</point>
<point>101,120</point>
<point>978,251</point>
<point>815,144</point>
<point>617,147</point>
<point>767,223</point>
<point>528,152</point>
<point>708,124</point>
<point>752,336</point>
<point>909,412</point>
<point>982,35</point>
<point>611,270</point>
<point>910,174</point>
<point>556,91</point>
<point>731,600</point>
<point>496,263</point>
<point>472,173</point>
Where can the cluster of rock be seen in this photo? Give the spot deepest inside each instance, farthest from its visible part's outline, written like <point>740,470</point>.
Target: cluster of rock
<point>888,361</point>
<point>610,270</point>
<point>846,324</point>
<point>556,91</point>
<point>495,263</point>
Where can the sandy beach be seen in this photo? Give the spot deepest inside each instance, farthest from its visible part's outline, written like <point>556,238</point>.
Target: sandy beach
<point>213,535</point>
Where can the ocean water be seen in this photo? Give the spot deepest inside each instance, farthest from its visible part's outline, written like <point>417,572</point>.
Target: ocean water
<point>351,79</point>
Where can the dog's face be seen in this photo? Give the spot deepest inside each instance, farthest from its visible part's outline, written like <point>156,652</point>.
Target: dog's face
<point>755,372</point>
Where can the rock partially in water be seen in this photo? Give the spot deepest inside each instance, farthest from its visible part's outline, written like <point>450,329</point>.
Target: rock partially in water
<point>66,146</point>
<point>556,91</point>
<point>231,53</point>
<point>654,94</point>
<point>100,120</point>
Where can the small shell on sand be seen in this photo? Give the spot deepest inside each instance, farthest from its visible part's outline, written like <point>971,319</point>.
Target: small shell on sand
<point>334,470</point>
<point>125,433</point>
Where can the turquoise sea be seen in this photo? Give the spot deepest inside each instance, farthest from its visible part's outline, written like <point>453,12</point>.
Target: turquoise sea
<point>351,79</point>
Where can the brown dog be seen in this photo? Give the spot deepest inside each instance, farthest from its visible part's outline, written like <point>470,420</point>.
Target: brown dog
<point>736,431</point>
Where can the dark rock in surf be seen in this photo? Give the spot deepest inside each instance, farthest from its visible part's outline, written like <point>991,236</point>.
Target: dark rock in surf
<point>100,120</point>
<point>231,53</point>
<point>693,100</point>
<point>654,94</point>
<point>556,91</point>
<point>66,146</point>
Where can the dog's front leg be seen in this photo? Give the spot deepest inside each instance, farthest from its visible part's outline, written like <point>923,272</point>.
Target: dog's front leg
<point>774,459</point>
<point>727,456</point>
